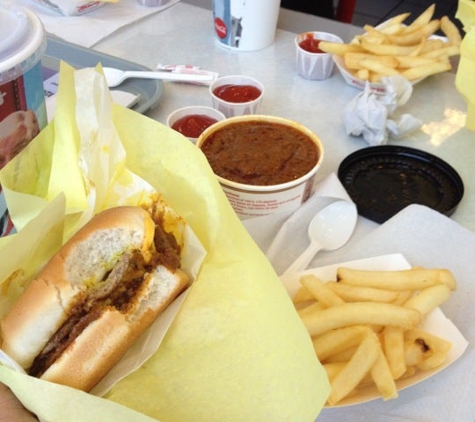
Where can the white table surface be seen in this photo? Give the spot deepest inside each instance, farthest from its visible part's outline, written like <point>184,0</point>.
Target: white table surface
<point>184,34</point>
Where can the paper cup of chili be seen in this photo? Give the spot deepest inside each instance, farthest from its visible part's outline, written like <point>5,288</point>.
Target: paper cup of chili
<point>311,62</point>
<point>193,120</point>
<point>236,95</point>
<point>265,164</point>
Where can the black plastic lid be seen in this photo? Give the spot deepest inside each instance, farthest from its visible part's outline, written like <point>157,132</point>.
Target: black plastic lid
<point>383,180</point>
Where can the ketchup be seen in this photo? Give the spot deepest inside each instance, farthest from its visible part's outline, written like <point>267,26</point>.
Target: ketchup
<point>193,125</point>
<point>310,44</point>
<point>237,93</point>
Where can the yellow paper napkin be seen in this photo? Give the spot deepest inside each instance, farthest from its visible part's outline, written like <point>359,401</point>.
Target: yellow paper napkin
<point>466,68</point>
<point>236,350</point>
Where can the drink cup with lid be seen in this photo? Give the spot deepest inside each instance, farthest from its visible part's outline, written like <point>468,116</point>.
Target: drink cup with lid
<point>22,99</point>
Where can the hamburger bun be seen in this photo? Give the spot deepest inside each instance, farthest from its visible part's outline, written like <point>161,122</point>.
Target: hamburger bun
<point>94,298</point>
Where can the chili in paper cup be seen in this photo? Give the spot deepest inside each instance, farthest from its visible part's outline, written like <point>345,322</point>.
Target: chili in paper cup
<point>265,164</point>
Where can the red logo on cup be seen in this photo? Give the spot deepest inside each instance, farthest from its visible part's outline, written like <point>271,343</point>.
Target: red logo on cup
<point>220,28</point>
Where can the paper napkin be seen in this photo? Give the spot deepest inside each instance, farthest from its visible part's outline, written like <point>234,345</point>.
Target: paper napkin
<point>373,115</point>
<point>103,21</point>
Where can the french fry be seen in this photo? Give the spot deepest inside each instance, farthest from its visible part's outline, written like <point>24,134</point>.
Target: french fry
<point>394,23</point>
<point>450,31</point>
<point>332,369</point>
<point>443,52</point>
<point>378,67</point>
<point>350,293</point>
<point>360,313</point>
<point>423,19</point>
<point>415,351</point>
<point>432,44</point>
<point>338,48</point>
<point>354,371</point>
<point>375,77</point>
<point>388,49</point>
<point>352,60</point>
<point>393,344</point>
<point>435,343</point>
<point>402,297</point>
<point>375,36</point>
<point>302,295</point>
<point>315,306</point>
<point>336,341</point>
<point>410,371</point>
<point>432,361</point>
<point>416,36</point>
<point>425,70</point>
<point>413,61</point>
<point>363,74</point>
<point>343,356</point>
<point>396,39</point>
<point>393,26</point>
<point>424,350</point>
<point>375,339</point>
<point>429,298</point>
<point>382,377</point>
<point>320,291</point>
<point>413,279</point>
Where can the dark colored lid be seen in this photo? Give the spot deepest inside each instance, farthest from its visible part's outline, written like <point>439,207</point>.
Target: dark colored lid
<point>385,179</point>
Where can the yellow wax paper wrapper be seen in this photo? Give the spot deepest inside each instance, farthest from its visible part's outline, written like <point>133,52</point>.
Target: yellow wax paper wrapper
<point>466,68</point>
<point>236,349</point>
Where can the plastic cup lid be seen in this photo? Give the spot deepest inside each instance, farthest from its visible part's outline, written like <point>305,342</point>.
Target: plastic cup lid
<point>22,43</point>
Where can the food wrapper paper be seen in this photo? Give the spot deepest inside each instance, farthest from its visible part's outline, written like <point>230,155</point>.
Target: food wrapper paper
<point>373,115</point>
<point>466,68</point>
<point>73,7</point>
<point>235,350</point>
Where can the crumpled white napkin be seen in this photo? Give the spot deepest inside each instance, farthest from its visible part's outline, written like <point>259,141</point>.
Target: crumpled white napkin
<point>372,115</point>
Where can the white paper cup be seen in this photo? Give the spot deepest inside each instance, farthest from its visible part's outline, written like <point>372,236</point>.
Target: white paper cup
<point>245,25</point>
<point>251,200</point>
<point>315,66</point>
<point>231,109</point>
<point>184,112</point>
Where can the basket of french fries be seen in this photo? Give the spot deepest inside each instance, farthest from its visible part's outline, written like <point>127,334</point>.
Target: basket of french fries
<point>413,50</point>
<point>376,325</point>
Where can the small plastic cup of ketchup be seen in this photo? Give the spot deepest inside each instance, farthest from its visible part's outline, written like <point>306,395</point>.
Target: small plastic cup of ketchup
<point>311,62</point>
<point>236,95</point>
<point>193,120</point>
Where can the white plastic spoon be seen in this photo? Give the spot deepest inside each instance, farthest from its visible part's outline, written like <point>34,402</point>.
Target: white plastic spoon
<point>115,77</point>
<point>329,230</point>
